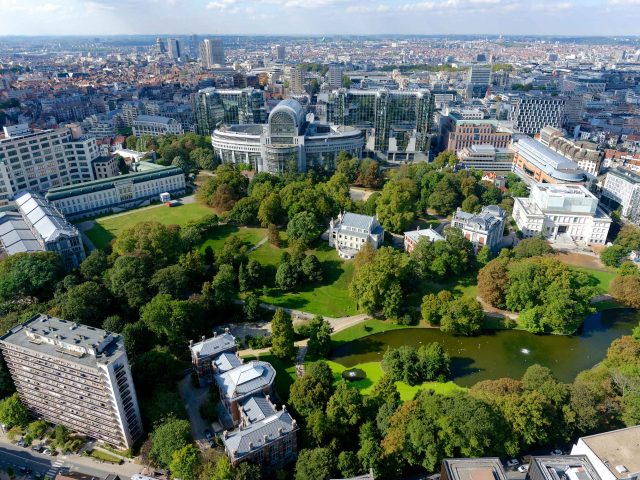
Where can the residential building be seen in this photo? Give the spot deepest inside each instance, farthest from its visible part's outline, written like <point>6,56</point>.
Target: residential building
<point>280,53</point>
<point>259,432</point>
<point>173,49</point>
<point>622,189</point>
<point>117,194</point>
<point>478,81</point>
<point>472,469</point>
<point>484,228</point>
<point>535,162</point>
<point>614,455</point>
<point>38,160</point>
<point>214,107</point>
<point>334,76</point>
<point>585,154</point>
<point>76,376</point>
<point>531,112</point>
<point>486,158</point>
<point>204,353</point>
<point>569,467</point>
<point>397,123</point>
<point>457,133</point>
<point>412,237</point>
<point>566,213</point>
<point>366,476</point>
<point>105,167</point>
<point>37,226</point>
<point>159,45</point>
<point>155,125</point>
<point>291,140</point>
<point>349,232</point>
<point>296,80</point>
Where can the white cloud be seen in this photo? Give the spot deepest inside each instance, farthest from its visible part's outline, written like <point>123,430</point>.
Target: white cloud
<point>220,4</point>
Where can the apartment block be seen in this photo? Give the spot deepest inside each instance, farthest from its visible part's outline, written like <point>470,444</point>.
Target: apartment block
<point>74,375</point>
<point>155,125</point>
<point>530,113</point>
<point>37,160</point>
<point>458,133</point>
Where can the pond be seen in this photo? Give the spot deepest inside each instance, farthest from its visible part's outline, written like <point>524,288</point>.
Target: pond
<point>503,353</point>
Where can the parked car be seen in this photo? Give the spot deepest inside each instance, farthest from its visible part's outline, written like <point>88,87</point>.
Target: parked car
<point>513,463</point>
<point>21,443</point>
<point>46,451</point>
<point>36,448</point>
<point>556,452</point>
<point>523,468</point>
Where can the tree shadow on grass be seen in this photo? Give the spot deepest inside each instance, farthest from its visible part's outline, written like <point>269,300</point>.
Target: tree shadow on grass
<point>99,236</point>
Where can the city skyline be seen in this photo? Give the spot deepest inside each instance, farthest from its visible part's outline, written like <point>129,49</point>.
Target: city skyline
<point>295,17</point>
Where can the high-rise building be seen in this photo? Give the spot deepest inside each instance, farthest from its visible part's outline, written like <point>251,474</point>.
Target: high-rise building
<point>478,81</point>
<point>458,132</point>
<point>280,53</point>
<point>76,376</point>
<point>38,160</point>
<point>530,113</point>
<point>213,107</point>
<point>159,45</point>
<point>334,76</point>
<point>212,52</point>
<point>296,80</point>
<point>173,48</point>
<point>397,122</point>
<point>195,49</point>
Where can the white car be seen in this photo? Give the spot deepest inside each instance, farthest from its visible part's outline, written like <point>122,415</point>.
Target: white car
<point>513,463</point>
<point>523,468</point>
<point>557,452</point>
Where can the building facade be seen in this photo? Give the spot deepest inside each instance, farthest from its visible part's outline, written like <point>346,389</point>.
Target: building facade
<point>155,125</point>
<point>290,141</point>
<point>76,376</point>
<point>537,163</point>
<point>37,226</point>
<point>478,81</point>
<point>38,160</point>
<point>585,154</point>
<point>398,123</point>
<point>482,229</point>
<point>563,213</point>
<point>105,167</point>
<point>486,158</point>
<point>621,188</point>
<point>117,194</point>
<point>412,237</point>
<point>349,232</point>
<point>458,133</point>
<point>214,107</point>
<point>530,113</point>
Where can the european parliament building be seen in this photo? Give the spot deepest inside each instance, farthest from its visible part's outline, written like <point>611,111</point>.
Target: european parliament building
<point>214,107</point>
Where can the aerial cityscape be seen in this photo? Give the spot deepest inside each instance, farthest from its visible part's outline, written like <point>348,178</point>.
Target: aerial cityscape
<point>246,240</point>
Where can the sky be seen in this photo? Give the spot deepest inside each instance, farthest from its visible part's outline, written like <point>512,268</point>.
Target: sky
<point>318,17</point>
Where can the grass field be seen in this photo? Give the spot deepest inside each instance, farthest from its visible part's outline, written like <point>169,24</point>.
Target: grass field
<point>330,297</point>
<point>285,373</point>
<point>108,228</point>
<point>249,236</point>
<point>604,277</point>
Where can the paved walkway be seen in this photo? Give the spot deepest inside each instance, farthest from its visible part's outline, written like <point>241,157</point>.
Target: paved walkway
<point>193,398</point>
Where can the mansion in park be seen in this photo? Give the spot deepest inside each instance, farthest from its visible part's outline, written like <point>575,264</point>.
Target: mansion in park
<point>258,432</point>
<point>412,237</point>
<point>349,232</point>
<point>484,228</point>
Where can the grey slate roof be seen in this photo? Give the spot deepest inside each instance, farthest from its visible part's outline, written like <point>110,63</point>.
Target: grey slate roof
<point>241,442</point>
<point>356,220</point>
<point>484,220</point>
<point>246,379</point>
<point>256,408</point>
<point>226,361</point>
<point>429,233</point>
<point>214,345</point>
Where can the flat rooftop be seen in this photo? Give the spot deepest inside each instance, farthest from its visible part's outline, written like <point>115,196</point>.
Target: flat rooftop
<point>619,447</point>
<point>69,341</point>
<point>571,467</point>
<point>474,469</point>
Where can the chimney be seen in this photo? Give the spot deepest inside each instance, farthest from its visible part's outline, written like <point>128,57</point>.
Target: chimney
<point>215,334</point>
<point>265,438</point>
<point>191,343</point>
<point>203,338</point>
<point>294,424</point>
<point>226,330</point>
<point>225,434</point>
<point>250,445</point>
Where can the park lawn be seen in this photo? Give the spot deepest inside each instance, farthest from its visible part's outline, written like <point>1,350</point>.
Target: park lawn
<point>108,228</point>
<point>604,277</point>
<point>249,236</point>
<point>364,329</point>
<point>105,456</point>
<point>285,373</point>
<point>374,372</point>
<point>464,286</point>
<point>329,298</point>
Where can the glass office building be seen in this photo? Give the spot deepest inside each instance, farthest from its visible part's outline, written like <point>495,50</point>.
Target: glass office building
<point>213,107</point>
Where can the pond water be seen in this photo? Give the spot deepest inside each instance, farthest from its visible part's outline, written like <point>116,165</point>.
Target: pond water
<point>503,353</point>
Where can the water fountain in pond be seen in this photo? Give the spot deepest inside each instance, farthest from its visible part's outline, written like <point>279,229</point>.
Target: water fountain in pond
<point>525,351</point>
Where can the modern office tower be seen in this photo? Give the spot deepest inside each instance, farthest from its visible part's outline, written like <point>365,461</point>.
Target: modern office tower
<point>530,112</point>
<point>173,48</point>
<point>213,107</point>
<point>36,226</point>
<point>478,81</point>
<point>76,376</point>
<point>206,53</point>
<point>217,52</point>
<point>194,44</point>
<point>289,141</point>
<point>397,122</point>
<point>280,53</point>
<point>159,45</point>
<point>37,160</point>
<point>334,76</point>
<point>296,80</point>
<point>562,212</point>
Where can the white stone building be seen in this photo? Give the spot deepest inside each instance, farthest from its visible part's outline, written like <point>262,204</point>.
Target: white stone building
<point>622,189</point>
<point>563,213</point>
<point>155,125</point>
<point>351,231</point>
<point>484,228</point>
